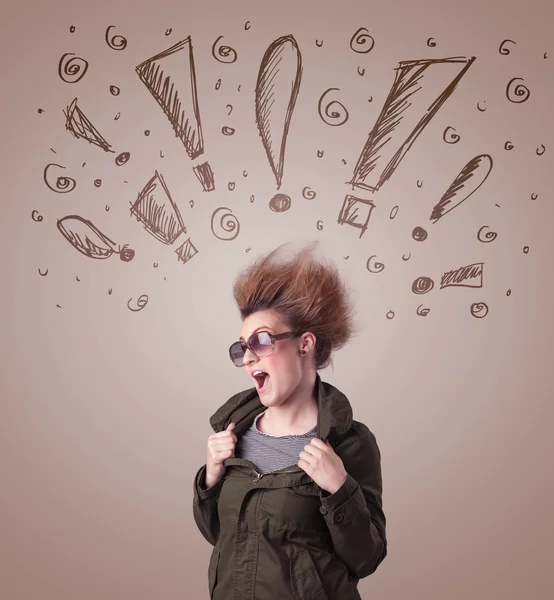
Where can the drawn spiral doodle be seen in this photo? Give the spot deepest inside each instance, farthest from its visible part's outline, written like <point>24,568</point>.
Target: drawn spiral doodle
<point>97,183</point>
<point>479,310</point>
<point>229,226</point>
<point>142,301</point>
<point>454,137</point>
<point>225,130</point>
<point>223,54</point>
<point>116,42</point>
<point>422,312</point>
<point>319,225</point>
<point>72,70</point>
<point>360,39</point>
<point>114,90</point>
<point>122,158</point>
<point>404,257</point>
<point>540,150</point>
<point>490,236</point>
<point>379,266</point>
<point>329,116</point>
<point>508,145</point>
<point>63,185</point>
<point>431,42</point>
<point>280,203</point>
<point>393,212</point>
<point>38,218</point>
<point>308,193</point>
<point>419,234</point>
<point>502,48</point>
<point>422,285</point>
<point>517,93</point>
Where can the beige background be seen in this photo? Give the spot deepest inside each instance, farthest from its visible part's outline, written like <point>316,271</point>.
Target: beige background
<point>105,411</point>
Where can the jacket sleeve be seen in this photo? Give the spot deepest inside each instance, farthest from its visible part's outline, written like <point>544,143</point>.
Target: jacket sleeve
<point>354,513</point>
<point>204,506</point>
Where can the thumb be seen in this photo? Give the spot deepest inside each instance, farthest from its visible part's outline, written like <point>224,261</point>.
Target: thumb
<point>230,427</point>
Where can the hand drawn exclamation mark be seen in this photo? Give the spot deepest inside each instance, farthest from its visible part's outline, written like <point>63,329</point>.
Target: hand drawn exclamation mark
<point>277,88</point>
<point>419,89</point>
<point>176,94</point>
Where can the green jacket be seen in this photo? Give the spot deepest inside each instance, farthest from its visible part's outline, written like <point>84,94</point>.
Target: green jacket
<point>279,536</point>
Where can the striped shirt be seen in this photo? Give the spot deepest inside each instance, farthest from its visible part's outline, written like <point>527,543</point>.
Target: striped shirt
<point>272,452</point>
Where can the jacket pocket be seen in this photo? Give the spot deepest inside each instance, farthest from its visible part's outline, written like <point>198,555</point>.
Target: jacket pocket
<point>305,581</point>
<point>212,570</point>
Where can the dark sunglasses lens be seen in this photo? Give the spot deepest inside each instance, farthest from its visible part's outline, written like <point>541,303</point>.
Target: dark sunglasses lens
<point>261,342</point>
<point>236,352</point>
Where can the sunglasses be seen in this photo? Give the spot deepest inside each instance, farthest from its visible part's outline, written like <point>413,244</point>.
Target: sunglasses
<point>261,344</point>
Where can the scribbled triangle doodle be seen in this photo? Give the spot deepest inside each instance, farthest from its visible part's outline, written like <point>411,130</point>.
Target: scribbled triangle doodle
<point>79,125</point>
<point>171,79</point>
<point>419,89</point>
<point>158,212</point>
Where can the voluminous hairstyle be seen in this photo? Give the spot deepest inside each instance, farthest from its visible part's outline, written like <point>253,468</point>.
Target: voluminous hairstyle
<point>309,296</point>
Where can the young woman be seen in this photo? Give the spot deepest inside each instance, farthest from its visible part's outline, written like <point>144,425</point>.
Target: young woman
<point>291,493</point>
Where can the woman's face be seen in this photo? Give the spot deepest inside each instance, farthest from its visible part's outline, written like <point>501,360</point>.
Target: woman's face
<point>285,367</point>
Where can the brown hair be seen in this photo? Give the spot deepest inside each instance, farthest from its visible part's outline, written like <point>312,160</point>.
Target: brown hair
<point>307,295</point>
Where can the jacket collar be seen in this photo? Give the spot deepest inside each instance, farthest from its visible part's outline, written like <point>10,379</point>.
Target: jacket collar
<point>334,411</point>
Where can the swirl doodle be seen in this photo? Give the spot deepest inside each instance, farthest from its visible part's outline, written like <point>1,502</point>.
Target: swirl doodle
<point>422,285</point>
<point>122,158</point>
<point>43,274</point>
<point>319,225</point>
<point>525,249</point>
<point>223,54</point>
<point>37,219</point>
<point>72,29</point>
<point>404,257</point>
<point>390,314</point>
<point>114,90</point>
<point>147,132</point>
<point>419,234</point>
<point>379,266</point>
<point>431,42</point>
<point>479,107</point>
<point>155,265</point>
<point>225,130</point>
<point>508,145</point>
<point>422,312</point>
<point>319,43</point>
<point>72,70</point>
<point>479,310</point>
<point>308,193</point>
<point>359,41</point>
<point>534,196</point>
<point>280,203</point>
<point>502,48</point>
<point>541,150</point>
<point>454,137</point>
<point>370,99</point>
<point>142,301</point>
<point>393,212</point>
<point>63,184</point>
<point>333,118</point>
<point>518,93</point>
<point>228,224</point>
<point>245,173</point>
<point>490,236</point>
<point>97,183</point>
<point>117,42</point>
<point>168,31</point>
<point>361,72</point>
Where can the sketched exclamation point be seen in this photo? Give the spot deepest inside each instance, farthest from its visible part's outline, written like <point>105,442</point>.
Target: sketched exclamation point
<point>277,88</point>
<point>176,93</point>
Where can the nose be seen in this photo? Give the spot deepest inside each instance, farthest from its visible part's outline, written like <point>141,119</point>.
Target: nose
<point>249,357</point>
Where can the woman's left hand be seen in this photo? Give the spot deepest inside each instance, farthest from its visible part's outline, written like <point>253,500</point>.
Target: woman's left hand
<point>323,465</point>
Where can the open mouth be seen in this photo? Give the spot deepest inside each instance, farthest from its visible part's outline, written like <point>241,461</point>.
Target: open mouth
<point>262,379</point>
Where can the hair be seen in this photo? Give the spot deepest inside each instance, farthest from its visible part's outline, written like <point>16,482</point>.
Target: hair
<point>307,294</point>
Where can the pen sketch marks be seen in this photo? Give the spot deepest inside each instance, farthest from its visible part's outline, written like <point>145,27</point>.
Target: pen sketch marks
<point>489,237</point>
<point>422,285</point>
<point>80,126</point>
<point>155,208</point>
<point>467,276</point>
<point>541,150</point>
<point>277,87</point>
<point>453,138</point>
<point>479,310</point>
<point>43,274</point>
<point>419,89</point>
<point>356,212</point>
<point>517,93</point>
<point>116,42</point>
<point>72,70</point>
<point>186,251</point>
<point>142,301</point>
<point>228,227</point>
<point>38,218</point>
<point>422,312</point>
<point>177,95</point>
<point>62,184</point>
<point>222,53</point>
<point>335,118</point>
<point>360,39</point>
<point>377,267</point>
<point>503,49</point>
<point>89,240</point>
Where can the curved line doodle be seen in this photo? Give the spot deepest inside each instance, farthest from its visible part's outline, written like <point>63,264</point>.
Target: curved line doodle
<point>168,31</point>
<point>390,314</point>
<point>539,151</point>
<point>114,90</point>
<point>319,225</point>
<point>327,116</point>
<point>142,301</point>
<point>226,130</point>
<point>419,234</point>
<point>490,236</point>
<point>63,185</point>
<point>245,173</point>
<point>89,240</point>
<point>467,182</point>
<point>519,93</point>
<point>72,29</point>
<point>251,198</point>
<point>218,84</point>
<point>359,40</point>
<point>230,225</point>
<point>454,137</point>
<point>508,145</point>
<point>525,249</point>
<point>116,118</point>
<point>422,285</point>
<point>224,54</point>
<point>431,42</point>
<point>155,265</point>
<point>73,70</point>
<point>545,55</point>
<point>230,107</point>
<point>370,99</point>
<point>122,158</point>
<point>394,210</point>
<point>116,42</point>
<point>77,278</point>
<point>36,219</point>
<point>320,153</point>
<point>404,257</point>
<point>379,266</point>
<point>502,48</point>
<point>43,274</point>
<point>422,312</point>
<point>479,310</point>
<point>479,107</point>
<point>361,72</point>
<point>97,183</point>
<point>534,196</point>
<point>319,43</point>
<point>107,208</point>
<point>231,186</point>
<point>419,183</point>
<point>247,26</point>
<point>508,292</point>
<point>191,203</point>
<point>308,193</point>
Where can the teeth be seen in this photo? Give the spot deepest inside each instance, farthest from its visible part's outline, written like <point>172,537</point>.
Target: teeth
<point>257,373</point>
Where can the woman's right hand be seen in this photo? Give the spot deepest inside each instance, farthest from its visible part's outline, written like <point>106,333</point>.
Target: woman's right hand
<point>220,447</point>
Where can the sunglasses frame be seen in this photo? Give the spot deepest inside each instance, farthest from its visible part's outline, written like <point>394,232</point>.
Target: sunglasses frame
<point>248,346</point>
